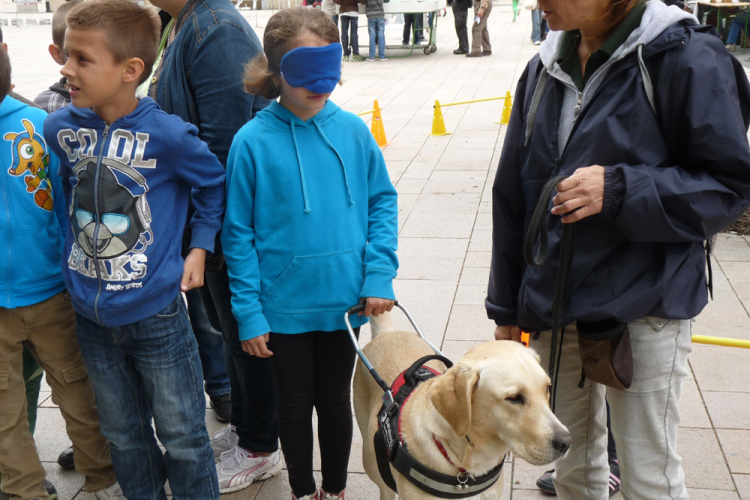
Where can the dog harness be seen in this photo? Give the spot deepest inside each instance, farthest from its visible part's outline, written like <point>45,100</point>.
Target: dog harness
<point>390,448</point>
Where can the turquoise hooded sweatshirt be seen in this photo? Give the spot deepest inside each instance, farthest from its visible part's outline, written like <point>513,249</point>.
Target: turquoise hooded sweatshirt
<point>311,222</point>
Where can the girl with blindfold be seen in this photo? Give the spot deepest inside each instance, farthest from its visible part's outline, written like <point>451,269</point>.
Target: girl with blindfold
<point>310,229</point>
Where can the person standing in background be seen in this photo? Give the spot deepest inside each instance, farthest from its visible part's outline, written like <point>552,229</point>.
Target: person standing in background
<point>480,35</point>
<point>200,81</point>
<point>461,17</point>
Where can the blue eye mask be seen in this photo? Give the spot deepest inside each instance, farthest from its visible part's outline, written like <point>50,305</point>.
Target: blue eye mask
<point>318,69</point>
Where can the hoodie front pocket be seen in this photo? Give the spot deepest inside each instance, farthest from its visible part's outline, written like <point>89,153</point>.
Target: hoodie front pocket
<point>318,283</point>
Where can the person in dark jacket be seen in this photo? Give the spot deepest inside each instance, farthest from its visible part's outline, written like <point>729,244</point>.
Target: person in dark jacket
<point>199,79</point>
<point>461,17</point>
<point>654,169</point>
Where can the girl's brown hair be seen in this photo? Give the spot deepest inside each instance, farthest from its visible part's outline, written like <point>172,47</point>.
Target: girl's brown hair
<point>617,12</point>
<point>281,31</point>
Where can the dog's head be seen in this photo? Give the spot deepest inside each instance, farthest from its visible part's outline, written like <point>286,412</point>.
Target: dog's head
<point>499,392</point>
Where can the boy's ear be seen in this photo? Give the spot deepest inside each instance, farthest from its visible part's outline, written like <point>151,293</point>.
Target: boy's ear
<point>132,70</point>
<point>57,54</point>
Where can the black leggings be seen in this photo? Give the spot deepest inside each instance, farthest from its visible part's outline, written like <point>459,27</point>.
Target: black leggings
<point>314,369</point>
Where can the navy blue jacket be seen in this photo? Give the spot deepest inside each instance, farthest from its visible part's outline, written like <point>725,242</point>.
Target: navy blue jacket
<point>127,186</point>
<point>201,78</point>
<point>671,182</point>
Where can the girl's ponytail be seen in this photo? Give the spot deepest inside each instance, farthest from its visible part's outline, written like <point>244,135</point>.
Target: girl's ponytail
<point>259,79</point>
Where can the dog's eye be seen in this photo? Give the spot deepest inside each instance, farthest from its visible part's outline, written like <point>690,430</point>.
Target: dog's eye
<point>517,399</point>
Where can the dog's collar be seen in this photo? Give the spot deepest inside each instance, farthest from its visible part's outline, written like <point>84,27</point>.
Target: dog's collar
<point>391,450</point>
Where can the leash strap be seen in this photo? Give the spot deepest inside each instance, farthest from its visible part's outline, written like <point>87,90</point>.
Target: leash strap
<point>538,230</point>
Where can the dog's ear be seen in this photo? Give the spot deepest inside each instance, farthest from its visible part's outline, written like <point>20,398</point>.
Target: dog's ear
<point>451,395</point>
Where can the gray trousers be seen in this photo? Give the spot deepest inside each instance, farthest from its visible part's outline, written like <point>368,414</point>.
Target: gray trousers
<point>644,418</point>
<point>480,36</point>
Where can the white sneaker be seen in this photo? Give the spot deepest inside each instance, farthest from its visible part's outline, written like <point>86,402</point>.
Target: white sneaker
<point>239,468</point>
<point>538,42</point>
<point>224,440</point>
<point>113,492</point>
<point>731,47</point>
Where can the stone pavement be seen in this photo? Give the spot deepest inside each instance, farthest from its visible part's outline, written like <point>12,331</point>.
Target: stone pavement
<point>444,188</point>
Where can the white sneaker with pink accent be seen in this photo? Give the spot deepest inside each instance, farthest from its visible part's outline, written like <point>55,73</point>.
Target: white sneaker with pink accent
<point>239,468</point>
<point>323,495</point>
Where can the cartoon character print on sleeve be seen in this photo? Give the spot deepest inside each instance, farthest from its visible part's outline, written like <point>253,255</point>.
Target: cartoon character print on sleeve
<point>31,159</point>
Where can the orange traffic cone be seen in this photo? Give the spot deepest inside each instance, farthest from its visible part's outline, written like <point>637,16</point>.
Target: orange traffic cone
<point>377,128</point>
<point>507,107</point>
<point>438,125</point>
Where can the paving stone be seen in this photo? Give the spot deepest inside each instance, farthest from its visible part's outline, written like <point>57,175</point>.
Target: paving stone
<point>702,460</point>
<point>728,410</point>
<point>743,485</point>
<point>720,368</point>
<point>67,483</point>
<point>478,259</point>
<point>470,323</point>
<point>429,302</point>
<point>734,443</point>
<point>692,410</point>
<point>475,276</point>
<point>471,294</point>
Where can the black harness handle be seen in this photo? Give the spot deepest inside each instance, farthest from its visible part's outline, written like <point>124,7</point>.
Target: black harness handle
<point>410,375</point>
<point>538,229</point>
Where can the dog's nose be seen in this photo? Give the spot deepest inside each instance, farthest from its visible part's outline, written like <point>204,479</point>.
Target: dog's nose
<point>562,443</point>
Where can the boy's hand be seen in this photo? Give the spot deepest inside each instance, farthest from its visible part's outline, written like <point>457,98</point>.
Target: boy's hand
<point>375,306</point>
<point>192,274</point>
<point>257,347</point>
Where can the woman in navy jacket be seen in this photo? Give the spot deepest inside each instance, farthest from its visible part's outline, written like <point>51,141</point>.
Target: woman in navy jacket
<point>647,115</point>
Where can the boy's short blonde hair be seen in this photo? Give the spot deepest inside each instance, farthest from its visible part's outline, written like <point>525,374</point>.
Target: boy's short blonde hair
<point>129,30</point>
<point>58,22</point>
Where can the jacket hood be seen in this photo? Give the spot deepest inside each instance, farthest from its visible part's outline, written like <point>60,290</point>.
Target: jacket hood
<point>60,88</point>
<point>656,18</point>
<point>288,120</point>
<point>10,106</point>
<point>88,117</point>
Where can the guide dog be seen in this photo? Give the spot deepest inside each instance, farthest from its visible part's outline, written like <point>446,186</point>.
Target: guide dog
<point>494,399</point>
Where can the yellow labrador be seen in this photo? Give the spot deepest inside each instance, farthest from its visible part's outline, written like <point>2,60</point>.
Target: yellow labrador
<point>497,395</point>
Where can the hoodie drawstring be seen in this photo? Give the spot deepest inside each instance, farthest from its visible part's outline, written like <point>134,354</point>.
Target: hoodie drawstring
<point>343,168</point>
<point>301,171</point>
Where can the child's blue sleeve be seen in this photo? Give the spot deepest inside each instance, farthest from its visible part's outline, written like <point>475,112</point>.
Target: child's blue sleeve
<point>238,242</point>
<point>381,262</point>
<point>199,168</point>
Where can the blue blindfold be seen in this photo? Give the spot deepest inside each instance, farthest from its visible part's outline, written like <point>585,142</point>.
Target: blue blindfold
<point>318,69</point>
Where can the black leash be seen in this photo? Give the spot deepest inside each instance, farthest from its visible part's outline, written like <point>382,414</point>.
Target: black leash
<point>538,229</point>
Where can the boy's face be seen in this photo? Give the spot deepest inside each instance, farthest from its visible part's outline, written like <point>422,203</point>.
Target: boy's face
<point>94,78</point>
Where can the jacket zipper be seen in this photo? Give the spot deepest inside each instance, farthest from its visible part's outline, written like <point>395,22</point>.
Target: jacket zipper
<point>9,245</point>
<point>97,214</point>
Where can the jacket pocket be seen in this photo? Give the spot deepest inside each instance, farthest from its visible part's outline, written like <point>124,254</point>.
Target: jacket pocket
<point>318,283</point>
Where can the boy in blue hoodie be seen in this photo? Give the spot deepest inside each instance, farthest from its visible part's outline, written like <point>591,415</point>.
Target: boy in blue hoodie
<point>128,170</point>
<point>35,309</point>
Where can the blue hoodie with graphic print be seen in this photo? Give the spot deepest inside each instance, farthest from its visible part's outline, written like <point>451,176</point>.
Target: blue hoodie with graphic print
<point>127,184</point>
<point>311,222</point>
<point>32,219</point>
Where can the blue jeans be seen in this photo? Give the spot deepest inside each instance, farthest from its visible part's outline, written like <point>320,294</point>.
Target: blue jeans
<point>210,346</point>
<point>151,369</point>
<point>372,26</point>
<point>536,22</point>
<point>738,24</point>
<point>349,24</point>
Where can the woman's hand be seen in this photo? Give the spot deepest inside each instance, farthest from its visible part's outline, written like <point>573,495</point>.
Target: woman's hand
<point>508,333</point>
<point>583,192</point>
<point>257,347</point>
<point>375,306</point>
